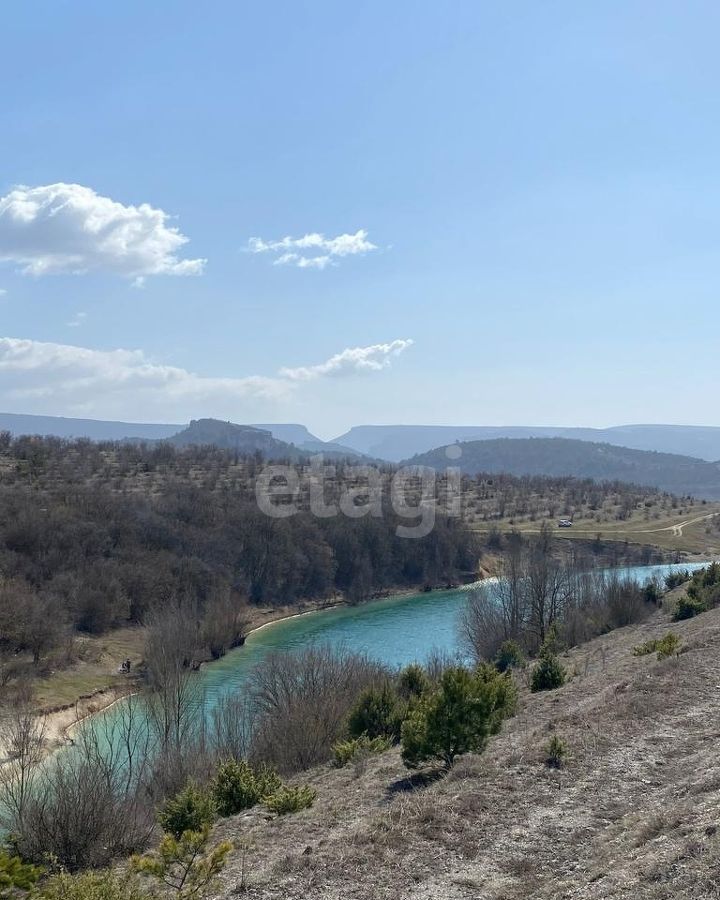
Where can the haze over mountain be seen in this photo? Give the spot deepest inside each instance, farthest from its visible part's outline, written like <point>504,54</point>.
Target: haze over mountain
<point>682,475</point>
<point>99,430</point>
<point>397,442</point>
<point>95,429</point>
<point>227,436</point>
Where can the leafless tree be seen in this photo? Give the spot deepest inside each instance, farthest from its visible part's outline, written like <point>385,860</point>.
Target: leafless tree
<point>22,741</point>
<point>174,695</point>
<point>302,701</point>
<point>83,809</point>
<point>232,725</point>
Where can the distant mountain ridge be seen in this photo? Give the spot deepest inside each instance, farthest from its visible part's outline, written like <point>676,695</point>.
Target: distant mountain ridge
<point>228,436</point>
<point>94,429</point>
<point>100,430</point>
<point>390,442</point>
<point>398,442</point>
<point>558,457</point>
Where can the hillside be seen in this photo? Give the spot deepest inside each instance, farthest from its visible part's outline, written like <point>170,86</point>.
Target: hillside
<point>631,814</point>
<point>680,475</point>
<point>396,442</point>
<point>306,441</point>
<point>228,436</point>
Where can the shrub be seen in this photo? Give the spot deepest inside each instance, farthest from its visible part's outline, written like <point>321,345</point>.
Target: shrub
<point>664,647</point>
<point>237,786</point>
<point>101,885</point>
<point>509,656</point>
<point>556,751</point>
<point>651,592</point>
<point>548,674</point>
<point>82,810</point>
<point>346,751</point>
<point>458,717</point>
<point>190,810</point>
<point>15,874</point>
<point>688,607</point>
<point>376,714</point>
<point>703,593</point>
<point>413,682</point>
<point>290,799</point>
<point>186,865</point>
<point>675,579</point>
<point>302,701</point>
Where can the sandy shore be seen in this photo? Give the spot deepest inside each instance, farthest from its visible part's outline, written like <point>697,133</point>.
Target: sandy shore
<point>59,723</point>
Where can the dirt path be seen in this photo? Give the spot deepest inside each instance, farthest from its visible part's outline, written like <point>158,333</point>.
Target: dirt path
<point>676,529</point>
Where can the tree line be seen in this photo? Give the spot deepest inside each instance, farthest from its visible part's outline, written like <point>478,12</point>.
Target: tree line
<point>86,545</point>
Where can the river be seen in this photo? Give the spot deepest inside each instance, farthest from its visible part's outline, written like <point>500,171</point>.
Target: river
<point>396,631</point>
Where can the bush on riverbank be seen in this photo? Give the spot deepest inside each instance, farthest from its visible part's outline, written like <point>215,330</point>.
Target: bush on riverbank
<point>458,717</point>
<point>238,786</point>
<point>703,593</point>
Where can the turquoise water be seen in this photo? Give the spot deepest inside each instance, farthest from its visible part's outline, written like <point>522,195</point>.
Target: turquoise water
<point>396,631</point>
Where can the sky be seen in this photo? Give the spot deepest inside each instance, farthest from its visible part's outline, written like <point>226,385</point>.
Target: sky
<point>378,213</point>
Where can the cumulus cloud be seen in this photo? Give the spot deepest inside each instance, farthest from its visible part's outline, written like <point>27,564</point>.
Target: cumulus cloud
<point>2,292</point>
<point>68,228</point>
<point>82,379</point>
<point>350,361</point>
<point>313,251</point>
<point>79,380</point>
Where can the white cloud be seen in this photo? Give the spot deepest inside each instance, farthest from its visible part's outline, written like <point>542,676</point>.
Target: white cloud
<point>298,251</point>
<point>80,379</point>
<point>69,228</point>
<point>48,377</point>
<point>77,320</point>
<point>350,361</point>
<point>2,292</point>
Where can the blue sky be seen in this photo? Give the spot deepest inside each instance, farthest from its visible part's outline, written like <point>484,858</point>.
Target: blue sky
<point>539,184</point>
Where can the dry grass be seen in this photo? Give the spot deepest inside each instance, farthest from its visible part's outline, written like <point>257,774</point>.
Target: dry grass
<point>633,812</point>
<point>96,669</point>
<point>659,530</point>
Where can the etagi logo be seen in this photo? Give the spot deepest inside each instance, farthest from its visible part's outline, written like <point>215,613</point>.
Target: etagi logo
<point>411,492</point>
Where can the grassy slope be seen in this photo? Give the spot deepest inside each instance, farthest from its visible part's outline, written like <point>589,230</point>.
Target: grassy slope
<point>103,655</point>
<point>97,671</point>
<point>667,532</point>
<point>632,815</point>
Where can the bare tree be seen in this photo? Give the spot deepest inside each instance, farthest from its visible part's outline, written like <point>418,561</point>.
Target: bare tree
<point>302,702</point>
<point>82,808</point>
<point>173,697</point>
<point>225,622</point>
<point>22,739</point>
<point>232,725</point>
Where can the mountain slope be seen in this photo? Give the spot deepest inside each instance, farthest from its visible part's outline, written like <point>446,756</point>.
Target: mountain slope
<point>396,442</point>
<point>632,813</point>
<point>583,459</point>
<point>99,430</point>
<point>228,436</point>
<point>306,441</point>
<point>95,429</point>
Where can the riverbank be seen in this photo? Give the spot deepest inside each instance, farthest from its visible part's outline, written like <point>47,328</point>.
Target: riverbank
<point>631,811</point>
<point>402,628</point>
<point>61,719</point>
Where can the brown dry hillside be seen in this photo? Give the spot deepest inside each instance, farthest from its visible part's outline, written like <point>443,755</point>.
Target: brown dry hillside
<point>633,814</point>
